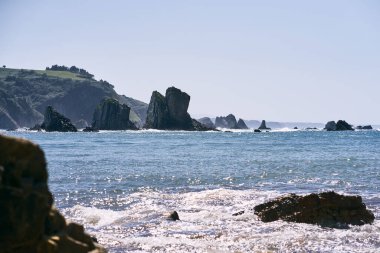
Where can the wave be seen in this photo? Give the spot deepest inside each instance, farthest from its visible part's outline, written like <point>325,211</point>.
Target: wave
<point>207,225</point>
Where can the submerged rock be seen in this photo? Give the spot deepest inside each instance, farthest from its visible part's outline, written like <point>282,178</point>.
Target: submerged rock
<point>241,124</point>
<point>327,209</point>
<point>90,129</point>
<point>257,131</point>
<point>28,221</point>
<point>37,127</point>
<point>111,115</point>
<point>56,122</point>
<point>174,216</point>
<point>169,112</point>
<point>263,126</point>
<point>207,122</point>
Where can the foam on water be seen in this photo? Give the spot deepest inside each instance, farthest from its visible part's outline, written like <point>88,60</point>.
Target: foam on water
<point>207,225</point>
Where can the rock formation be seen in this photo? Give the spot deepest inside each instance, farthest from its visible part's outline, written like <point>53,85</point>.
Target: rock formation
<point>56,122</point>
<point>29,222</point>
<point>326,209</point>
<point>207,122</point>
<point>226,122</point>
<point>110,115</point>
<point>367,127</point>
<point>341,125</point>
<point>241,124</point>
<point>169,112</point>
<point>263,126</point>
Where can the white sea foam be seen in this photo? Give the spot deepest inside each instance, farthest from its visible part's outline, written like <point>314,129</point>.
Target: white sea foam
<point>207,225</point>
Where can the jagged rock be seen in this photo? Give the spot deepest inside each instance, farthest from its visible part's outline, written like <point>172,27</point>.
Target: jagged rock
<point>263,126</point>
<point>28,221</point>
<point>326,209</point>
<point>111,115</point>
<point>367,127</point>
<point>207,122</point>
<point>56,122</point>
<point>226,122</point>
<point>241,124</point>
<point>169,112</point>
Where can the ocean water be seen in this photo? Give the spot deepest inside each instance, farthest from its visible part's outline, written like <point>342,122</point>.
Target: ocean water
<point>121,185</point>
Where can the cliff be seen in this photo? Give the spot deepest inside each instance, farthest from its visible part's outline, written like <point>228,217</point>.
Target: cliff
<point>24,95</point>
<point>111,115</point>
<point>29,221</point>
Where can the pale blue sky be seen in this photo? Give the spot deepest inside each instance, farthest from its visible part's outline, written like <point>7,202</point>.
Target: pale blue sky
<point>277,60</point>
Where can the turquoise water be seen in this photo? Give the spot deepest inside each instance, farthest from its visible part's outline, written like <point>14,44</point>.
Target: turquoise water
<point>122,184</point>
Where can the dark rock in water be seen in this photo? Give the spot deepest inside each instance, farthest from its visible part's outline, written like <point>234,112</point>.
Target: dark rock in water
<point>367,127</point>
<point>342,125</point>
<point>311,128</point>
<point>37,127</point>
<point>174,216</point>
<point>28,221</point>
<point>56,122</point>
<point>238,213</point>
<point>111,115</point>
<point>90,129</point>
<point>263,126</point>
<point>295,128</point>
<point>241,124</point>
<point>257,131</point>
<point>169,112</point>
<point>330,126</point>
<point>327,209</point>
<point>207,122</point>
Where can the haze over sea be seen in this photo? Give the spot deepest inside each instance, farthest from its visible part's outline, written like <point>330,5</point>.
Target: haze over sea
<point>122,184</point>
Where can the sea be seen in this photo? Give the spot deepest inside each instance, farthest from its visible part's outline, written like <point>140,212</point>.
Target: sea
<point>122,185</point>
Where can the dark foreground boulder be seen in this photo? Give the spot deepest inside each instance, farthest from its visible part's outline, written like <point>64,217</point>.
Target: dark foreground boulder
<point>169,112</point>
<point>327,209</point>
<point>56,122</point>
<point>263,126</point>
<point>28,221</point>
<point>111,115</point>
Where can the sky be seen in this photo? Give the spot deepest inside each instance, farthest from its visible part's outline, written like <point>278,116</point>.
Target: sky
<point>310,61</point>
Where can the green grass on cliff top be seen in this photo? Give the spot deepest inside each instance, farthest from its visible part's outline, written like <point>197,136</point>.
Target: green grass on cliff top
<point>4,72</point>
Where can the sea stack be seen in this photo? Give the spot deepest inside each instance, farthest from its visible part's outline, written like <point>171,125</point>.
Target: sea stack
<point>207,122</point>
<point>56,122</point>
<point>230,122</point>
<point>263,126</point>
<point>111,115</point>
<point>29,221</point>
<point>169,112</point>
<point>241,124</point>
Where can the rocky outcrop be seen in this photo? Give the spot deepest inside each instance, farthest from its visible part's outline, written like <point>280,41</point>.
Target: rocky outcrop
<point>263,126</point>
<point>169,112</point>
<point>241,124</point>
<point>326,209</point>
<point>226,122</point>
<point>341,125</point>
<point>111,115</point>
<point>56,122</point>
<point>207,122</point>
<point>367,127</point>
<point>29,222</point>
